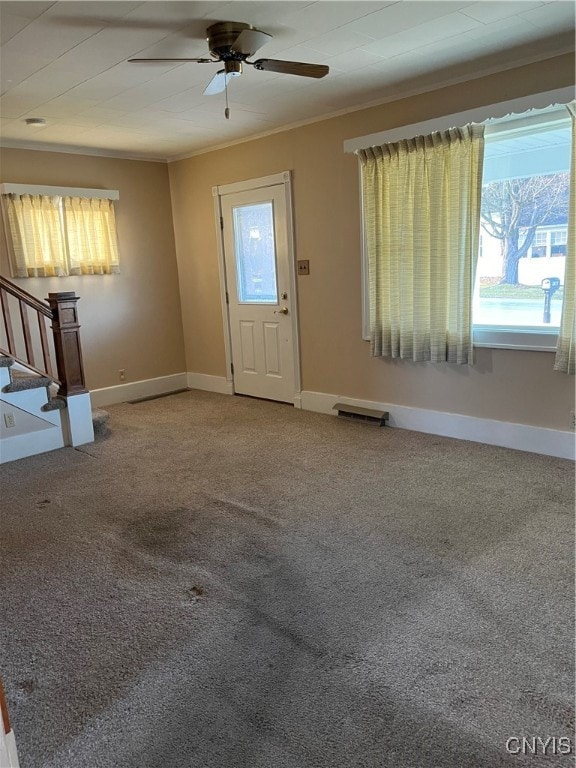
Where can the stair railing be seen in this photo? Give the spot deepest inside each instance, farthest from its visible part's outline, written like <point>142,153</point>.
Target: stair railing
<point>61,361</point>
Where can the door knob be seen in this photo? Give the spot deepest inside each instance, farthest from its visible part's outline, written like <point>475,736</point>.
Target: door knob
<point>281,311</point>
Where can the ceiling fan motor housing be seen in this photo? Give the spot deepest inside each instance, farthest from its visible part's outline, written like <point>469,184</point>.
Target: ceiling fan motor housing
<point>222,36</point>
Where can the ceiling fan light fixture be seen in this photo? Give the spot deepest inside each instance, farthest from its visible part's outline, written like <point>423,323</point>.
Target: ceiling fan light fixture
<point>233,68</point>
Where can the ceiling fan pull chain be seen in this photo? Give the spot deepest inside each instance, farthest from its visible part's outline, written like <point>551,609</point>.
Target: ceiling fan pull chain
<point>227,110</point>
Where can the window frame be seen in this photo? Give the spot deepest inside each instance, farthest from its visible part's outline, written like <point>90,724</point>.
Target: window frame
<point>7,188</point>
<point>499,114</point>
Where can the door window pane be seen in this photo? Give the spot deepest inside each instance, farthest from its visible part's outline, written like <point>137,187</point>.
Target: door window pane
<point>255,254</point>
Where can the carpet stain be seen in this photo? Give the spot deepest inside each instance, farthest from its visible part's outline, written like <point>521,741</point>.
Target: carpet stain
<point>223,533</point>
<point>299,642</point>
<point>438,668</point>
<point>28,686</point>
<point>195,593</point>
<point>161,534</point>
<point>238,509</point>
<point>544,705</point>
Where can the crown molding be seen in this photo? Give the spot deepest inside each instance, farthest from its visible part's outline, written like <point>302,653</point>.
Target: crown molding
<point>72,150</point>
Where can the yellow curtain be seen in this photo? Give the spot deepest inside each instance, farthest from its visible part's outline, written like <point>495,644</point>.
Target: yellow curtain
<point>36,236</point>
<point>422,224</point>
<point>90,227</point>
<point>566,347</point>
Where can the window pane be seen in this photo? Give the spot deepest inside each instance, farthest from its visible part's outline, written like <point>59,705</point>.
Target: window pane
<point>36,240</point>
<point>255,253</point>
<point>559,237</point>
<point>520,272</point>
<point>540,238</point>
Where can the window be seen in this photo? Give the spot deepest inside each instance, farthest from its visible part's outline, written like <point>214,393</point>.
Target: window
<point>255,253</point>
<point>559,242</point>
<point>53,232</point>
<point>539,246</point>
<point>527,147</point>
<point>524,219</point>
<point>547,243</point>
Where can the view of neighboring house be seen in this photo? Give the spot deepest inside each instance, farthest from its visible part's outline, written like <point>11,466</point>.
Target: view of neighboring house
<point>546,256</point>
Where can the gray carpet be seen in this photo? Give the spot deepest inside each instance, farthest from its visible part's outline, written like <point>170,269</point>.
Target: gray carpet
<point>221,582</point>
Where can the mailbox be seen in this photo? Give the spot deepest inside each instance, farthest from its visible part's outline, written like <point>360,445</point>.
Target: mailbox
<point>551,284</point>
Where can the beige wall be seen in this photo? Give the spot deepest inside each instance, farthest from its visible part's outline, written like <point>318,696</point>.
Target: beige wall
<point>131,320</point>
<point>514,386</point>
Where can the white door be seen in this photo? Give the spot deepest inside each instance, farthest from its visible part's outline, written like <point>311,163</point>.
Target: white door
<point>260,285</point>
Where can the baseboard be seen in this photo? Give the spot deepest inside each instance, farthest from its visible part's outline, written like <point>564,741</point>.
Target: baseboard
<point>318,402</point>
<point>522,437</point>
<point>222,385</point>
<point>30,444</point>
<point>210,383</point>
<point>132,390</point>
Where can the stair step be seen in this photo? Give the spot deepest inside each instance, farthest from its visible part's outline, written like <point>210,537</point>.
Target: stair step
<point>54,404</point>
<point>100,421</point>
<point>5,361</point>
<point>99,416</point>
<point>21,382</point>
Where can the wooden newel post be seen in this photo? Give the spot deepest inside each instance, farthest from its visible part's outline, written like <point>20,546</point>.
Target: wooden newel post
<point>66,330</point>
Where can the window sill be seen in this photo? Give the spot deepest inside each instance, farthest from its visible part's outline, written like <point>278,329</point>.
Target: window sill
<point>531,339</point>
<point>528,339</point>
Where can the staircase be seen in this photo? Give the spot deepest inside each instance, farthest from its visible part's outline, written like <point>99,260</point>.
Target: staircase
<point>39,412</point>
<point>31,419</point>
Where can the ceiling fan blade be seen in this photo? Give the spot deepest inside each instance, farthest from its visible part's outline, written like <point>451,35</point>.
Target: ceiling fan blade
<point>218,83</point>
<point>164,61</point>
<point>249,41</point>
<point>291,67</point>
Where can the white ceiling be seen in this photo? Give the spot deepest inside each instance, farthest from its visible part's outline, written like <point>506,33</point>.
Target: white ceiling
<point>67,62</point>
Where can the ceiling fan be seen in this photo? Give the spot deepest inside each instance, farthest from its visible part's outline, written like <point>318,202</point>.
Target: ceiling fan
<point>232,43</point>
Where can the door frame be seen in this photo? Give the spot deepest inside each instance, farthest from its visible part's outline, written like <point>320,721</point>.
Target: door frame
<point>285,179</point>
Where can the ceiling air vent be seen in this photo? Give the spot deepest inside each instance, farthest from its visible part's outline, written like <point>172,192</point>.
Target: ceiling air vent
<point>366,415</point>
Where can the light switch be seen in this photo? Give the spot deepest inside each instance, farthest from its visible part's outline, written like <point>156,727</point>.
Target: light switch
<point>303,267</point>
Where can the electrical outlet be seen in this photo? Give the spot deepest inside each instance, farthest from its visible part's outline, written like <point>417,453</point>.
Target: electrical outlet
<point>122,374</point>
<point>9,420</point>
<point>573,420</point>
